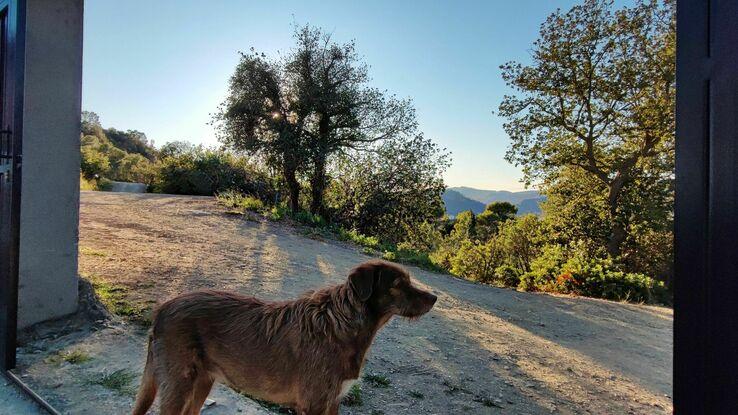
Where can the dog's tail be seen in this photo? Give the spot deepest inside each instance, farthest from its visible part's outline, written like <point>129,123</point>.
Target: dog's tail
<point>147,390</point>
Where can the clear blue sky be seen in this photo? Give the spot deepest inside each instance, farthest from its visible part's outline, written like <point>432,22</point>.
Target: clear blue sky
<point>162,67</point>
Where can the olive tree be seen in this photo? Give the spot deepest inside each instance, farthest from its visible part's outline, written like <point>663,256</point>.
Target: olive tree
<point>262,115</point>
<point>332,84</point>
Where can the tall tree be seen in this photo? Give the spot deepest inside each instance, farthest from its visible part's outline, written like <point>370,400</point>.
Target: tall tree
<point>598,96</point>
<point>262,115</point>
<point>332,83</point>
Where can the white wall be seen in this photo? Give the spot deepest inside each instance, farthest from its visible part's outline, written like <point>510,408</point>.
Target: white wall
<point>50,184</point>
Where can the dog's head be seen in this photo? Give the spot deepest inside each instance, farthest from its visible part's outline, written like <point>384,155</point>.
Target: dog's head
<point>387,289</point>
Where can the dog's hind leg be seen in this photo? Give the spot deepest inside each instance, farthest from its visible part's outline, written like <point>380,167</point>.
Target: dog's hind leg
<point>201,388</point>
<point>147,390</point>
<point>175,396</point>
<point>177,387</point>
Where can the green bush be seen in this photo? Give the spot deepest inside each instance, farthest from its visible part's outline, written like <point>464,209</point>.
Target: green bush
<point>357,238</point>
<point>544,269</point>
<point>597,277</point>
<point>200,171</point>
<point>423,237</point>
<point>527,282</point>
<point>575,270</point>
<point>507,275</point>
<point>239,201</point>
<point>307,218</point>
<point>389,256</point>
<point>420,259</point>
<point>93,162</point>
<point>104,184</point>
<point>477,261</point>
<point>389,190</point>
<point>277,213</point>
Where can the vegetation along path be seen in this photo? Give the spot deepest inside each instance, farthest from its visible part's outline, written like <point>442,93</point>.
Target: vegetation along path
<point>481,350</point>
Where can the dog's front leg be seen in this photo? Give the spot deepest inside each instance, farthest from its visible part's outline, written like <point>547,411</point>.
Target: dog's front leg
<point>332,408</point>
<point>322,409</point>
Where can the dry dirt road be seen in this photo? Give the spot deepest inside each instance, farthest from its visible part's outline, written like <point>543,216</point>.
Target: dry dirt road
<point>481,350</point>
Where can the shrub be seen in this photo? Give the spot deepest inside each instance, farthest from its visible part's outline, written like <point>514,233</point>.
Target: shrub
<point>357,238</point>
<point>423,237</point>
<point>85,184</point>
<point>420,259</point>
<point>462,230</point>
<point>544,269</point>
<point>389,255</point>
<point>576,270</point>
<point>237,200</point>
<point>307,218</point>
<point>477,261</point>
<point>597,277</point>
<point>134,168</point>
<point>200,171</point>
<point>277,213</point>
<point>527,282</point>
<point>520,240</point>
<point>104,184</point>
<point>441,257</point>
<point>507,275</point>
<point>93,162</point>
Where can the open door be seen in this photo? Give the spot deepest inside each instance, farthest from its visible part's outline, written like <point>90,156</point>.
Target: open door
<point>706,226</point>
<point>10,173</point>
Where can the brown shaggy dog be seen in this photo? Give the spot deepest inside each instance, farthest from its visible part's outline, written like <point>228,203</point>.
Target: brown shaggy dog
<point>304,354</point>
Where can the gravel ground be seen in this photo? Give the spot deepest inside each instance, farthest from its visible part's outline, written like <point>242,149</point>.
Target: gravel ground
<point>481,350</point>
<point>13,402</point>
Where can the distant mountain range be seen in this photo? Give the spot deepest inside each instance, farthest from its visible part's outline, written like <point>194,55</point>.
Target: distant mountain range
<point>459,199</point>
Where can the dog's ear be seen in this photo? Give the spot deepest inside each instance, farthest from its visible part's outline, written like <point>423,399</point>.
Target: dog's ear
<point>361,280</point>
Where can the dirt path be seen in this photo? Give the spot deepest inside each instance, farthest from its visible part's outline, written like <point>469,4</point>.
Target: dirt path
<point>481,350</point>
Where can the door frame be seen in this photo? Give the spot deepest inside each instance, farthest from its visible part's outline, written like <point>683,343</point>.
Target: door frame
<point>12,124</point>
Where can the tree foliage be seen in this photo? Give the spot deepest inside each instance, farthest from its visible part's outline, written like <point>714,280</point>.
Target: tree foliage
<point>397,185</point>
<point>262,116</point>
<point>301,111</point>
<point>494,214</point>
<point>331,82</point>
<point>598,96</point>
<point>101,158</point>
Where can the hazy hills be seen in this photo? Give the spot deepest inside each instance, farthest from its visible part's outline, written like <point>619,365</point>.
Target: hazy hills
<point>459,199</point>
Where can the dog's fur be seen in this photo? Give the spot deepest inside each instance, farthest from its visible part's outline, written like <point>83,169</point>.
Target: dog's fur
<point>302,354</point>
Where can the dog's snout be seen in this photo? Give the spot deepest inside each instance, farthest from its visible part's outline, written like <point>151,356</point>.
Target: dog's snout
<point>432,299</point>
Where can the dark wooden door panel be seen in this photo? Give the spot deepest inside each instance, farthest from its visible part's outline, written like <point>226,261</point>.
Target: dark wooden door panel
<point>10,170</point>
<point>706,227</point>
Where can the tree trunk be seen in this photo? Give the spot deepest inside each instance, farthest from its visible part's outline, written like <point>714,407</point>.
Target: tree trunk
<point>618,232</point>
<point>318,180</point>
<point>293,186</point>
<point>317,185</point>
